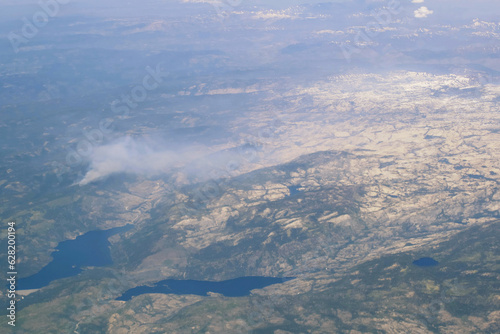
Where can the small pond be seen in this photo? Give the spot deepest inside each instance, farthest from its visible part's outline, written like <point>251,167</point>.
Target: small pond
<point>425,262</point>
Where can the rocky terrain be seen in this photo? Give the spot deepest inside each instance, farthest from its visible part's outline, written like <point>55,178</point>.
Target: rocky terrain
<point>264,150</point>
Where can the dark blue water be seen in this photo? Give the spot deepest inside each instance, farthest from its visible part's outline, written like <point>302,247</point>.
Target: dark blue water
<point>294,190</point>
<point>89,249</point>
<point>236,287</point>
<point>425,262</point>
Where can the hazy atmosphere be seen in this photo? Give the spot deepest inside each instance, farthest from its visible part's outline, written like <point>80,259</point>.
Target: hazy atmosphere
<point>237,166</point>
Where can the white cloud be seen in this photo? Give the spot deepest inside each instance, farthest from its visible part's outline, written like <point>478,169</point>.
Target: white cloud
<point>271,14</point>
<point>202,1</point>
<point>423,12</point>
<point>332,32</point>
<point>418,1</point>
<point>289,13</point>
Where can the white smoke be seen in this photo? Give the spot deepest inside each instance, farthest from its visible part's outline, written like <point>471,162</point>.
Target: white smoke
<point>128,155</point>
<point>149,157</point>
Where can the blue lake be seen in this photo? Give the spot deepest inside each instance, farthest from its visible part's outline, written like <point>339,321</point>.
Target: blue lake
<point>88,250</point>
<point>425,262</point>
<point>294,190</point>
<point>236,287</point>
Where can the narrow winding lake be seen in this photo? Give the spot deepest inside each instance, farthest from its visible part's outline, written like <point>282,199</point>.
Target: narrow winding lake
<point>88,250</point>
<point>236,287</point>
